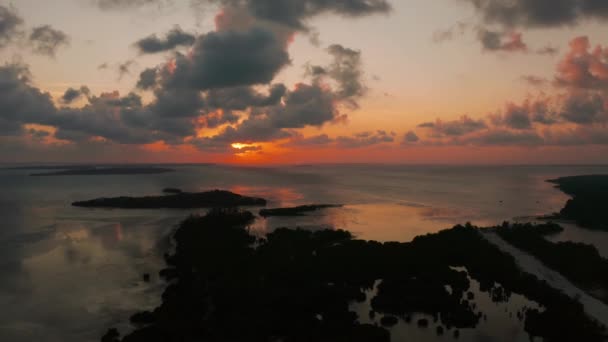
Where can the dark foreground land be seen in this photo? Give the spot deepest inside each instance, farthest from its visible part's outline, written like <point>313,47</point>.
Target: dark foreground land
<point>589,203</point>
<point>106,171</point>
<point>296,211</point>
<point>181,200</point>
<point>580,263</point>
<point>226,284</point>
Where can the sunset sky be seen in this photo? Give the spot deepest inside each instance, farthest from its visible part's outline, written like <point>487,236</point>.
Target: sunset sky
<point>304,81</point>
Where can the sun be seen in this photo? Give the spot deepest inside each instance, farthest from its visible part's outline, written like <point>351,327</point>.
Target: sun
<point>240,146</point>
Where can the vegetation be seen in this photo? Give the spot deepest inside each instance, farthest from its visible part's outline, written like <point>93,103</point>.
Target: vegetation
<point>296,211</point>
<point>184,200</point>
<point>580,263</point>
<point>589,203</point>
<point>225,284</point>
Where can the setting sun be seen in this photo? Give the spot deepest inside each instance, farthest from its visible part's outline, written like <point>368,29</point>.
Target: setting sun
<point>240,146</point>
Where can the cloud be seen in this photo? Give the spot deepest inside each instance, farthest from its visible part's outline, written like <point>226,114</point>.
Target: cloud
<point>522,116</point>
<point>173,39</point>
<point>457,30</point>
<point>125,4</point>
<point>72,94</point>
<point>503,137</point>
<point>46,40</point>
<point>585,109</point>
<point>365,139</point>
<point>243,97</point>
<point>20,101</point>
<point>548,50</point>
<point>231,58</point>
<point>347,70</point>
<point>535,81</point>
<point>540,13</point>
<point>10,24</point>
<point>357,140</point>
<point>147,79</point>
<point>410,138</point>
<point>501,41</point>
<point>296,13</point>
<point>125,68</point>
<point>583,67</point>
<point>459,127</point>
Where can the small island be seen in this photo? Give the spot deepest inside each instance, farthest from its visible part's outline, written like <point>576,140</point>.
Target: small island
<point>105,171</point>
<point>588,206</point>
<point>296,211</point>
<point>182,200</point>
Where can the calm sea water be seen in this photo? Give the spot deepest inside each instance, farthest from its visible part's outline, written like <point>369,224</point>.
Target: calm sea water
<point>69,273</point>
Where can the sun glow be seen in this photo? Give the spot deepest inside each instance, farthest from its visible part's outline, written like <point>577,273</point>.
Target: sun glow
<point>240,146</point>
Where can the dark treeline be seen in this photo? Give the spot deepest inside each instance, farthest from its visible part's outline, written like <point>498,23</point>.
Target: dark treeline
<point>580,263</point>
<point>296,211</point>
<point>175,200</point>
<point>589,203</point>
<point>225,284</point>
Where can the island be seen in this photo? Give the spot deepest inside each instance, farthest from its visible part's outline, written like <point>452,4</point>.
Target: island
<point>172,191</point>
<point>588,206</point>
<point>225,283</point>
<point>182,200</point>
<point>105,171</point>
<point>296,211</point>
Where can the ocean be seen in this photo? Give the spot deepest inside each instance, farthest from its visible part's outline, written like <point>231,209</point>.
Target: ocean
<point>70,273</point>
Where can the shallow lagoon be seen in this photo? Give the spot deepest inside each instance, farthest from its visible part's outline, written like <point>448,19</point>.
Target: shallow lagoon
<point>68,273</point>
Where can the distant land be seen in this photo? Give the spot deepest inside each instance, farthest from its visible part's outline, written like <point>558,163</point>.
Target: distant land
<point>105,171</point>
<point>589,203</point>
<point>182,200</point>
<point>296,211</point>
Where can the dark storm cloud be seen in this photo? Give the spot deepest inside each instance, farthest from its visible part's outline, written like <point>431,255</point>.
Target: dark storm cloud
<point>46,40</point>
<point>72,94</point>
<point>243,97</point>
<point>38,134</point>
<point>147,79</point>
<point>228,59</point>
<point>295,13</point>
<point>540,13</point>
<point>20,101</point>
<point>173,39</point>
<point>459,127</point>
<point>10,24</point>
<point>307,105</point>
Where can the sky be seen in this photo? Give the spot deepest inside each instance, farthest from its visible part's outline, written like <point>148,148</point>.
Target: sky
<point>304,81</point>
